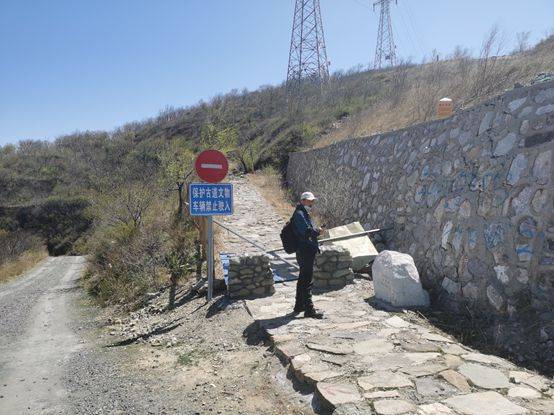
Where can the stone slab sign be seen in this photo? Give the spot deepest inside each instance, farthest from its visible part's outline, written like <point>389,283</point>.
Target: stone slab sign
<point>361,248</point>
<point>396,281</point>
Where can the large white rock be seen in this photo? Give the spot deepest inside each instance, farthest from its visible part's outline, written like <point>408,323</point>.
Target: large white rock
<point>396,281</point>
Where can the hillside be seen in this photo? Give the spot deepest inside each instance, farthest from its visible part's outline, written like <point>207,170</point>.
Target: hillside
<point>355,103</point>
<point>109,187</point>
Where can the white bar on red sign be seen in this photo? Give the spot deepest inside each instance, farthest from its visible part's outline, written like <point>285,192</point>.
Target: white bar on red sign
<point>211,166</point>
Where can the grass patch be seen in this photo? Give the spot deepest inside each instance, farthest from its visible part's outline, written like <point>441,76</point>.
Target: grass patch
<point>25,262</point>
<point>191,357</point>
<point>186,359</point>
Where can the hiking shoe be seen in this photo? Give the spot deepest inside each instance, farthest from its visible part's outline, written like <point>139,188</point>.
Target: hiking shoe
<point>313,314</point>
<point>297,310</point>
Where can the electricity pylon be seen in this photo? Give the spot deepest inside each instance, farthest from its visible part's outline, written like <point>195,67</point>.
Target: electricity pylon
<point>308,56</point>
<point>386,49</point>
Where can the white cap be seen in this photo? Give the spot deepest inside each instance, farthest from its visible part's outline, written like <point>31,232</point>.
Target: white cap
<point>307,196</point>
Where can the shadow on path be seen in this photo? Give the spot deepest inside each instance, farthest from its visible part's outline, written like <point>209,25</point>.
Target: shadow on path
<point>255,334</point>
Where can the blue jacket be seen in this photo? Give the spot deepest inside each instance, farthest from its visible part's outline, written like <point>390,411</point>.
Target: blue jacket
<point>305,229</point>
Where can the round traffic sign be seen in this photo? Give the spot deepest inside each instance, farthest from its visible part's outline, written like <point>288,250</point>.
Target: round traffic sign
<point>212,166</point>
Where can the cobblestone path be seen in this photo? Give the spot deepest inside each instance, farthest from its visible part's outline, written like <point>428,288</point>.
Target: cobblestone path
<point>361,360</point>
<point>254,218</point>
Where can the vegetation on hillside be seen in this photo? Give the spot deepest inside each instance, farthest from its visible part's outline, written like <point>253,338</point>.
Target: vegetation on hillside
<point>412,91</point>
<point>119,196</point>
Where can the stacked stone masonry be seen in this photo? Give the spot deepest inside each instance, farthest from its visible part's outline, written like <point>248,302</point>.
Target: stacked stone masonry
<point>250,276</point>
<point>333,268</point>
<point>470,197</point>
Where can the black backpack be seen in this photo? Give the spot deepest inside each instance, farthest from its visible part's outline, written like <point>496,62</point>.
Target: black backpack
<point>289,239</point>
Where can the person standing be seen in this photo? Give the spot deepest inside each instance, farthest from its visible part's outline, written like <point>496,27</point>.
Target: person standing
<point>306,232</point>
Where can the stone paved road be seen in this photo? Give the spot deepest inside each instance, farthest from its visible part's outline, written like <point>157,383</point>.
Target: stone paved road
<point>361,360</point>
<point>257,220</point>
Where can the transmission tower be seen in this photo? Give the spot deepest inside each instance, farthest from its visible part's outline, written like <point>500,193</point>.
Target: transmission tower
<point>308,56</point>
<point>386,49</point>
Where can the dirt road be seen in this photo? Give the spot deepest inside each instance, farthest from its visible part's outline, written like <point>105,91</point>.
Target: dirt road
<point>61,355</point>
<point>53,358</point>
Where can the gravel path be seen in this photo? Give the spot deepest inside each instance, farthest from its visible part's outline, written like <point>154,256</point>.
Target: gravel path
<point>52,354</point>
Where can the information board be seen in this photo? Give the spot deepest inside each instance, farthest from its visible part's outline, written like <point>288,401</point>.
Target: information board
<point>207,199</point>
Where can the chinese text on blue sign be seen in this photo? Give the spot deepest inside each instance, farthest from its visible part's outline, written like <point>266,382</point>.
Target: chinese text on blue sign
<point>210,199</point>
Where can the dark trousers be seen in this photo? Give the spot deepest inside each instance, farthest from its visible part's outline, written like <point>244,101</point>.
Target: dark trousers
<point>305,260</point>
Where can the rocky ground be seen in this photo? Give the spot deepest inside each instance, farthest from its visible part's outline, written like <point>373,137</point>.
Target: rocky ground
<point>209,355</point>
<point>358,360</point>
<point>54,358</point>
<point>60,355</point>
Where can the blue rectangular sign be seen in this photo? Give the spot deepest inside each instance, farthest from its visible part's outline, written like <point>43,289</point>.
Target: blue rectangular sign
<point>207,199</point>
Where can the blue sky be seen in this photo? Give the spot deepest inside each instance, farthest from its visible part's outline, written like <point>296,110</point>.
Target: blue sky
<point>68,65</point>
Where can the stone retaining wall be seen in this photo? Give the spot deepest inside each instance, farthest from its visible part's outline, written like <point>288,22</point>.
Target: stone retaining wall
<point>250,277</point>
<point>470,198</point>
<point>333,268</point>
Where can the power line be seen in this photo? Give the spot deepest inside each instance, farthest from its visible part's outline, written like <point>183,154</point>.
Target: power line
<point>412,21</point>
<point>412,35</point>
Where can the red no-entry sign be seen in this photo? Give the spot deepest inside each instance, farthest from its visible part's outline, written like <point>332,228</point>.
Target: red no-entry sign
<point>212,166</point>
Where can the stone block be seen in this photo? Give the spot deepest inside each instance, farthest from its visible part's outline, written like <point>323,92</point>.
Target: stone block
<point>455,379</point>
<point>337,282</point>
<point>242,293</point>
<point>396,281</point>
<point>483,376</point>
<point>339,273</point>
<point>259,291</point>
<point>384,380</point>
<point>493,402</point>
<point>333,394</point>
<point>361,248</point>
<point>393,407</point>
<point>249,276</point>
<point>322,275</point>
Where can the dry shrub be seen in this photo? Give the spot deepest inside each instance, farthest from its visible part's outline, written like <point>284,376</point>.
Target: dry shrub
<point>138,247</point>
<point>414,90</point>
<point>269,181</point>
<point>24,262</point>
<point>16,243</point>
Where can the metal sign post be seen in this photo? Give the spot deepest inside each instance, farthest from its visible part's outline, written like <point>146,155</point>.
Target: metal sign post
<point>210,200</point>
<point>210,252</point>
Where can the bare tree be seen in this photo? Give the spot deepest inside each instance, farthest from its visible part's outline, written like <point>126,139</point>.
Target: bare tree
<point>488,75</point>
<point>178,166</point>
<point>522,41</point>
<point>426,90</point>
<point>397,85</point>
